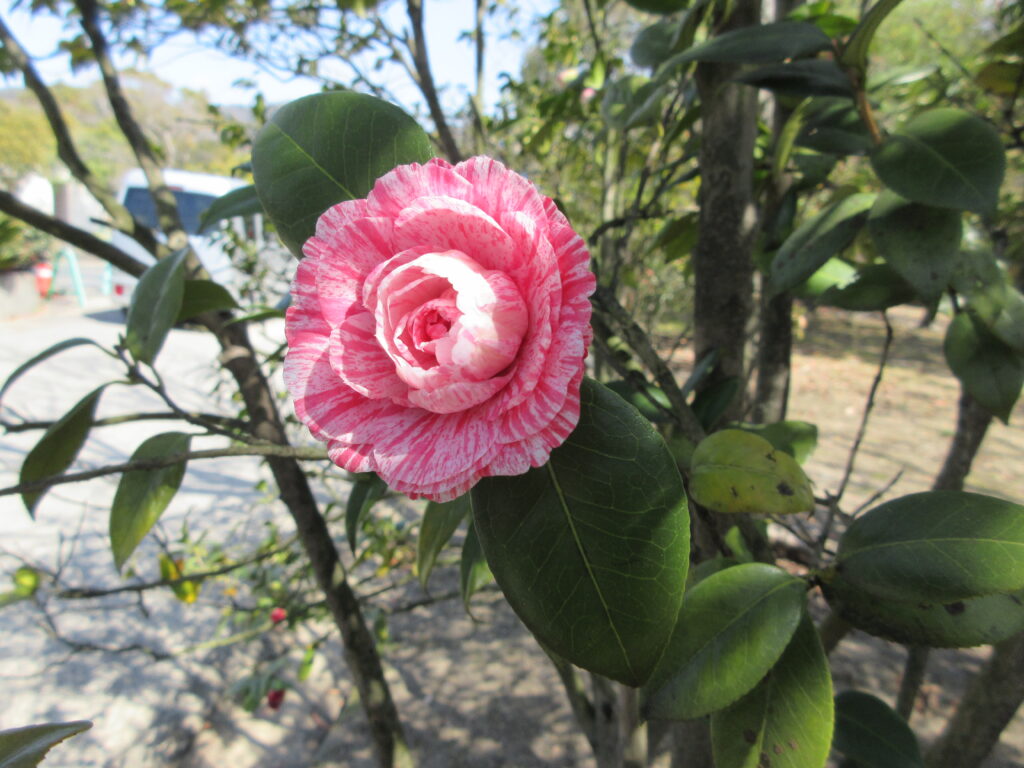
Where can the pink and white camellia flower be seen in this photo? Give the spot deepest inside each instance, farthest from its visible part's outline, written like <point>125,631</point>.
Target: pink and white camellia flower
<point>438,328</point>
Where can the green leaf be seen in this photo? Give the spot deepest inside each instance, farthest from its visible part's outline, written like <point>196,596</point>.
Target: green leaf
<point>809,77</point>
<point>591,550</point>
<point>367,490</point>
<point>172,569</point>
<point>787,719</point>
<point>935,547</point>
<point>473,570</point>
<point>58,446</point>
<point>258,315</point>
<point>855,52</point>
<point>27,747</point>
<point>662,7</point>
<point>869,733</point>
<point>1001,307</point>
<point>45,355</point>
<point>834,273</point>
<point>712,401</point>
<point>201,296</point>
<point>959,624</point>
<point>155,304</point>
<point>678,237</point>
<point>920,242</point>
<point>631,101</point>
<point>817,240</point>
<point>877,287</point>
<point>797,438</point>
<point>653,44</point>
<point>733,472</point>
<point>650,401</point>
<point>944,157</point>
<point>989,370</point>
<point>238,202</point>
<point>759,43</point>
<point>325,148</point>
<point>439,523</point>
<point>143,494</point>
<point>732,628</point>
<point>834,126</point>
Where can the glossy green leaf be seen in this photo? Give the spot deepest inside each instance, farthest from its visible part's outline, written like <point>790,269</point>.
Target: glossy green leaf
<point>817,240</point>
<point>935,547</point>
<point>733,472</point>
<point>787,719</point>
<point>855,52</point>
<point>440,519</point>
<point>834,273</point>
<point>759,43</point>
<point>959,624</point>
<point>367,489</point>
<point>653,44</point>
<point>712,401</point>
<point>155,304</point>
<point>58,446</point>
<point>661,7</point>
<point>732,628</point>
<point>920,242</point>
<point>238,202</point>
<point>325,148</point>
<point>650,401</point>
<point>870,733</point>
<point>989,370</point>
<point>1001,307</point>
<point>833,126</point>
<point>591,550</point>
<point>143,494</point>
<point>203,296</point>
<point>808,77</point>
<point>46,354</point>
<point>473,569</point>
<point>944,157</point>
<point>27,747</point>
<point>797,438</point>
<point>877,287</point>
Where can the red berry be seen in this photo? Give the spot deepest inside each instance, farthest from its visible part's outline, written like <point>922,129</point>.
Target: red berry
<point>275,698</point>
<point>278,615</point>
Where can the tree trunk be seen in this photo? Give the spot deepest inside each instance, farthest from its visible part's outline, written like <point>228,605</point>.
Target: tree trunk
<point>723,269</point>
<point>972,423</point>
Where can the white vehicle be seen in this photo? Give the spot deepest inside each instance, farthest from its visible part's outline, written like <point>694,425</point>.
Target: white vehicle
<point>195,192</point>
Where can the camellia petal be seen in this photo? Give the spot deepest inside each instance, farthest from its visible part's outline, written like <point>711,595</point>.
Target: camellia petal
<point>438,328</point>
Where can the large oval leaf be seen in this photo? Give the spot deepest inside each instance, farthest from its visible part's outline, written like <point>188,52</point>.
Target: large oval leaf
<point>734,471</point>
<point>787,719</point>
<point>869,733</point>
<point>946,158</point>
<point>877,287</point>
<point>58,446</point>
<point>817,240</point>
<point>920,242</point>
<point>731,630</point>
<point>990,371</point>
<point>143,494</point>
<point>759,43</point>
<point>809,77</point>
<point>960,624</point>
<point>155,304</point>
<point>203,296</point>
<point>325,148</point>
<point>937,546</point>
<point>27,747</point>
<point>592,549</point>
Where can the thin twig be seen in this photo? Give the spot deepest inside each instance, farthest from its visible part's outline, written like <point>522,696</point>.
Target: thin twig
<point>125,418</point>
<point>301,453</point>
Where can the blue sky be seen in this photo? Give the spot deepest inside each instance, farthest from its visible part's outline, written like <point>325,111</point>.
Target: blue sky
<point>185,64</point>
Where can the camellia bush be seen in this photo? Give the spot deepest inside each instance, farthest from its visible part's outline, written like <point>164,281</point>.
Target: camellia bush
<point>451,336</point>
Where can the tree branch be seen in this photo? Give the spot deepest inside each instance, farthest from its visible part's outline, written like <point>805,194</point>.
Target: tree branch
<point>293,452</point>
<point>425,80</point>
<point>125,418</point>
<point>70,234</point>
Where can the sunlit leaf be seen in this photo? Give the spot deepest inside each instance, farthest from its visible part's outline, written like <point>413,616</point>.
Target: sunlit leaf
<point>27,747</point>
<point>440,519</point>
<point>154,308</point>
